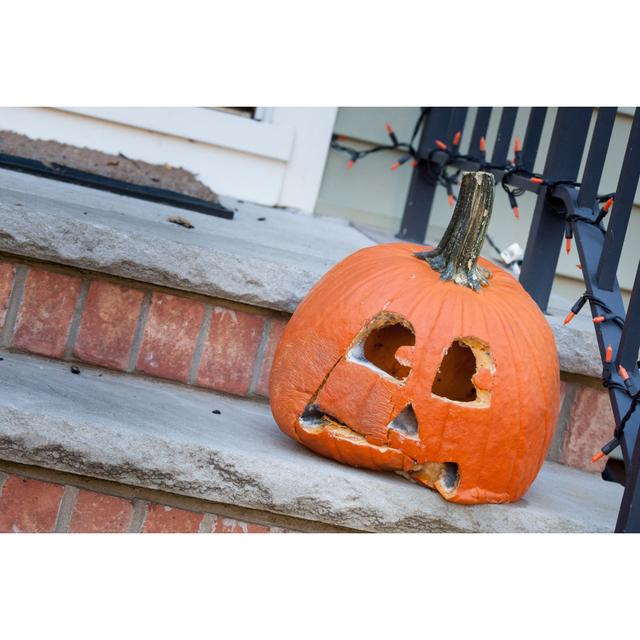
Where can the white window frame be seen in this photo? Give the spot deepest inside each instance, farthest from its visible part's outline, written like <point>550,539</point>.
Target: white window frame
<point>264,114</point>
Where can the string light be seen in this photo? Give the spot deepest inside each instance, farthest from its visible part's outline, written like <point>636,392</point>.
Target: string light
<point>628,388</point>
<point>604,210</point>
<point>568,235</point>
<point>512,192</point>
<point>483,147</point>
<point>517,152</point>
<point>606,449</point>
<point>575,309</point>
<point>409,147</point>
<point>607,315</point>
<point>392,134</point>
<point>438,173</point>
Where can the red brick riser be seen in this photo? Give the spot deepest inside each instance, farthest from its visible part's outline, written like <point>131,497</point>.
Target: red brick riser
<point>29,505</point>
<point>66,314</point>
<point>71,316</point>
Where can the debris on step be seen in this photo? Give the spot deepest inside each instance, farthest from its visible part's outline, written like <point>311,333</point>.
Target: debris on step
<point>183,222</point>
<point>74,369</point>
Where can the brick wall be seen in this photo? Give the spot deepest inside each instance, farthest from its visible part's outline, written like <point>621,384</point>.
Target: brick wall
<point>586,423</point>
<point>61,313</point>
<point>32,505</point>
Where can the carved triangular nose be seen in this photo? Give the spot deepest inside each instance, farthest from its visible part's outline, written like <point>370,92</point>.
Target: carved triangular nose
<point>406,422</point>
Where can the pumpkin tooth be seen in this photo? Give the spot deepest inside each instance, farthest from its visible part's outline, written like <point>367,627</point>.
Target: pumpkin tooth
<point>444,477</point>
<point>323,427</point>
<point>314,419</point>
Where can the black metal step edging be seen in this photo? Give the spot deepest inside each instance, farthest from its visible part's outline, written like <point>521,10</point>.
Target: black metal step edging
<point>55,171</point>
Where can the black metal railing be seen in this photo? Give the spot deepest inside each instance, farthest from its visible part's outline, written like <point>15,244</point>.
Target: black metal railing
<point>565,208</point>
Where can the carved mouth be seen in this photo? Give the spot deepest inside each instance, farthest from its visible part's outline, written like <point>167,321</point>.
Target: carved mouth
<point>443,477</point>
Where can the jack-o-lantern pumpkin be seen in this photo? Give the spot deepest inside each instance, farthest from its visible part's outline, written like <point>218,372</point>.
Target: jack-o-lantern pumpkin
<point>434,364</point>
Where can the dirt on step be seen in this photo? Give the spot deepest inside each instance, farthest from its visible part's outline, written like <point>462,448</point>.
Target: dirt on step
<point>117,167</point>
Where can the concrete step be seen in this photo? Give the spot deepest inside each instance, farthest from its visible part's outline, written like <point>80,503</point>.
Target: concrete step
<point>160,435</point>
<point>265,256</point>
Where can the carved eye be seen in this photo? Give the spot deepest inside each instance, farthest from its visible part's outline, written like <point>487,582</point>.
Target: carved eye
<point>378,345</point>
<point>465,373</point>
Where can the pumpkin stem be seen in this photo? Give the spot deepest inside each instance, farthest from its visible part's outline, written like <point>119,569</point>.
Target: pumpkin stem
<point>456,256</point>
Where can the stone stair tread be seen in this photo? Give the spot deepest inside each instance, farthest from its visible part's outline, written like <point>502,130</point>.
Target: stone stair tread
<point>265,256</point>
<point>160,435</point>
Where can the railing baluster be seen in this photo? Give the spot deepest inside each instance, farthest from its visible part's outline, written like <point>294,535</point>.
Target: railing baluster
<point>456,123</point>
<point>590,242</point>
<point>629,515</point>
<point>621,211</point>
<point>503,139</point>
<point>436,125</point>
<point>422,188</point>
<point>532,136</point>
<point>597,155</point>
<point>480,127</point>
<point>630,339</point>
<point>547,228</point>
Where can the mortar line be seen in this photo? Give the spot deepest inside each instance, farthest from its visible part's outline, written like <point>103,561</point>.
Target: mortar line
<point>138,334</point>
<point>75,322</point>
<point>262,348</point>
<point>138,516</point>
<point>206,526</point>
<point>65,510</point>
<point>15,302</point>
<point>201,340</point>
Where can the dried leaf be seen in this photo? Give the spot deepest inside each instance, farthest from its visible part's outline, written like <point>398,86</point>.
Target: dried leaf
<point>183,222</point>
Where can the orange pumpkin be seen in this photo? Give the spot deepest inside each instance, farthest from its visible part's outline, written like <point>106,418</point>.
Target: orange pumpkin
<point>434,364</point>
